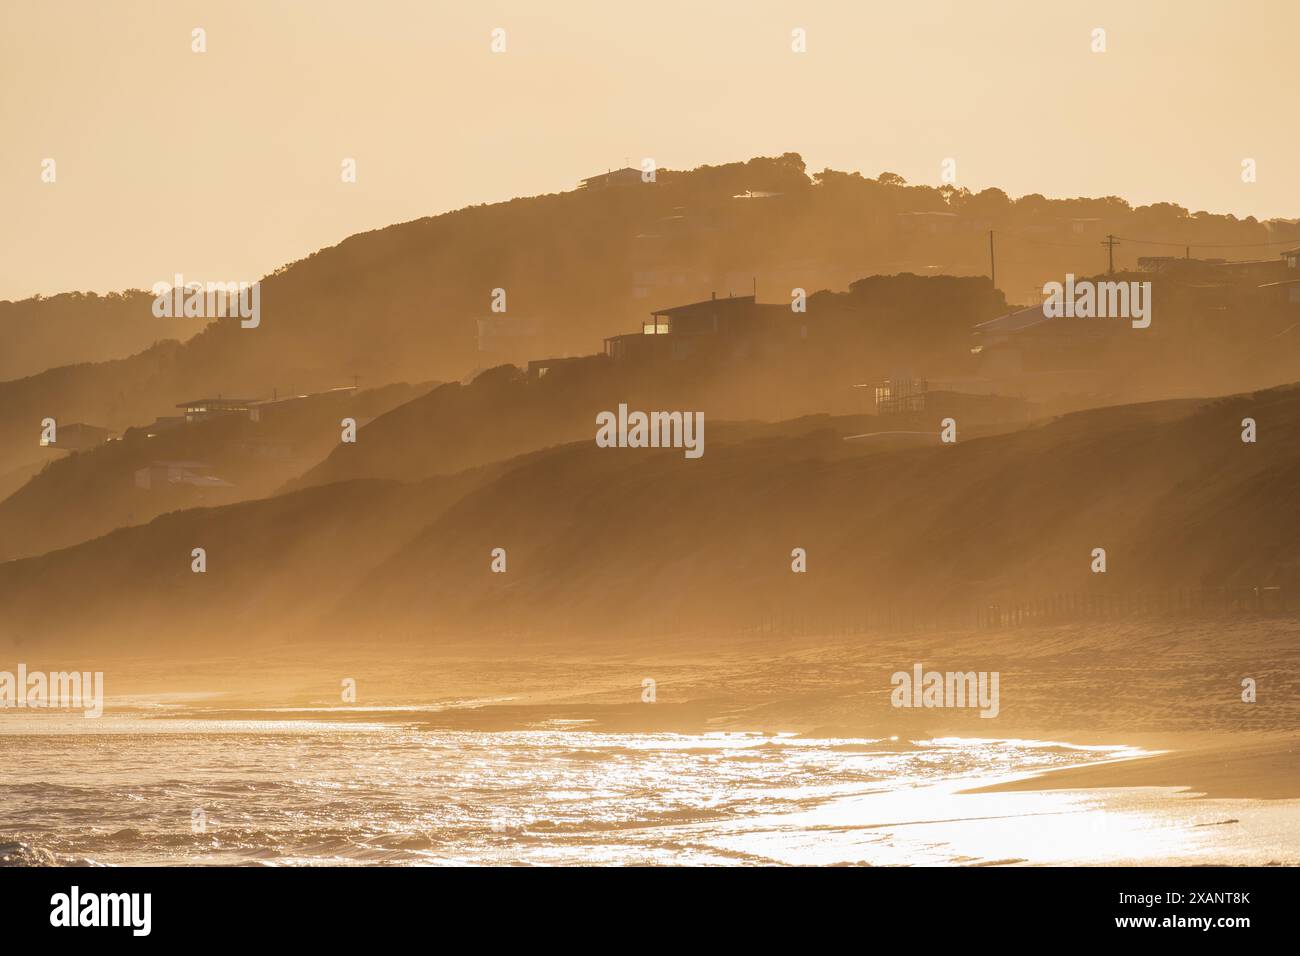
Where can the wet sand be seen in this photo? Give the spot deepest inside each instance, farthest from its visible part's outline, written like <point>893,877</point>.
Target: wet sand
<point>1265,768</point>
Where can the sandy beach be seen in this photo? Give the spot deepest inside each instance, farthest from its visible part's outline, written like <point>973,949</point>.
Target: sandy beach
<point>1150,756</point>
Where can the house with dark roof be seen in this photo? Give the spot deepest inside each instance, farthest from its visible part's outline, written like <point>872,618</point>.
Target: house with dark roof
<point>201,409</point>
<point>1028,341</point>
<point>1287,288</point>
<point>627,176</point>
<point>729,326</point>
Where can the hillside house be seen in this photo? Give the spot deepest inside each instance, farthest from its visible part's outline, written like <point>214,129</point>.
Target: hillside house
<point>1027,341</point>
<point>202,409</point>
<point>627,176</point>
<point>1287,288</point>
<point>734,326</point>
<point>260,410</point>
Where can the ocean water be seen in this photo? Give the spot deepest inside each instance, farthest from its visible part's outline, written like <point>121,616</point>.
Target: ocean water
<point>137,790</point>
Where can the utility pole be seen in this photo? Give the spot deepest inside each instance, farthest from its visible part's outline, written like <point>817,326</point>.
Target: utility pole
<point>993,266</point>
<point>1110,242</point>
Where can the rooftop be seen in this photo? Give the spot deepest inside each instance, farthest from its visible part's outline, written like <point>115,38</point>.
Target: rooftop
<point>217,403</point>
<point>626,174</point>
<point>1013,321</point>
<point>708,306</point>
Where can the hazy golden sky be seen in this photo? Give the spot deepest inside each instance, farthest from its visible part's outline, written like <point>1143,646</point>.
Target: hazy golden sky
<point>226,164</point>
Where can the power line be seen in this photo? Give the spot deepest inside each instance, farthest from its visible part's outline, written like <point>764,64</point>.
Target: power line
<point>1212,245</point>
<point>1045,242</point>
<point>1156,242</point>
<point>1110,242</point>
